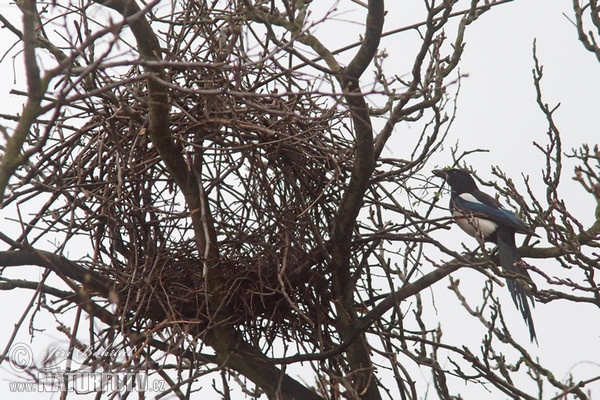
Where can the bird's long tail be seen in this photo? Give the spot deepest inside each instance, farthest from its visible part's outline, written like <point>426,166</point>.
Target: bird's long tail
<point>509,255</point>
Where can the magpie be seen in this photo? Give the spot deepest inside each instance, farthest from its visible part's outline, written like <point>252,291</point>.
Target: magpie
<point>483,217</point>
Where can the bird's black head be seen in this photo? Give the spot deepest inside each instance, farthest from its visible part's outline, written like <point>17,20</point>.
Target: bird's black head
<point>460,181</point>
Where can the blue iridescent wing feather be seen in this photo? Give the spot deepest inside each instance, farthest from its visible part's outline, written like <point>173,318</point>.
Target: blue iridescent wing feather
<point>491,212</point>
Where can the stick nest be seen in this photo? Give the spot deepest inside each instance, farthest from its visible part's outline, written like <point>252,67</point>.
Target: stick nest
<point>271,166</point>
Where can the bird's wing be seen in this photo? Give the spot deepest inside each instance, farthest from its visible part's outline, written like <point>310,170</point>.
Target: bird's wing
<point>485,206</point>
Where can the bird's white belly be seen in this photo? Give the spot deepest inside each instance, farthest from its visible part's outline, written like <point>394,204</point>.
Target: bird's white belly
<point>474,226</point>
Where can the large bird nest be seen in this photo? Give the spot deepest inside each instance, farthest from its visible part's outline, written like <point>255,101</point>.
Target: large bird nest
<point>271,165</point>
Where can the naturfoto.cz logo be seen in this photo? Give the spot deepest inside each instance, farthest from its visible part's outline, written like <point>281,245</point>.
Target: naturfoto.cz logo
<point>62,371</point>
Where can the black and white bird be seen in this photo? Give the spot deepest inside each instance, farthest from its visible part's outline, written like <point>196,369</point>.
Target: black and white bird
<point>482,216</point>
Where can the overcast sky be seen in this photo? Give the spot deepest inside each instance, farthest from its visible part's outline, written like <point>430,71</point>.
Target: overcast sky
<point>496,111</point>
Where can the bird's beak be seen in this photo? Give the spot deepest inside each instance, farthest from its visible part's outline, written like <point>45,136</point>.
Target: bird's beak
<point>440,172</point>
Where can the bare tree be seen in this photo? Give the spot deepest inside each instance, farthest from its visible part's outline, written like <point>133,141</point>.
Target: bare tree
<point>208,183</point>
